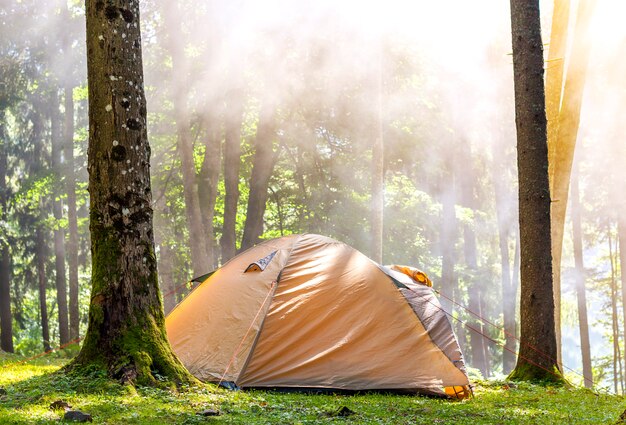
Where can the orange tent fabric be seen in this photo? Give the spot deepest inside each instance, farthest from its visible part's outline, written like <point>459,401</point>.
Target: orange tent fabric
<point>306,311</point>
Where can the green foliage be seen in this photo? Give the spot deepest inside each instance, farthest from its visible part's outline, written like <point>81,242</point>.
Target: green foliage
<point>33,386</point>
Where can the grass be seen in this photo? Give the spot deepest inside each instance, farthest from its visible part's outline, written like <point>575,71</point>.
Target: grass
<point>32,386</point>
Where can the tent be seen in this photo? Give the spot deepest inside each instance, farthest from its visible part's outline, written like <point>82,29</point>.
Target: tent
<point>309,312</point>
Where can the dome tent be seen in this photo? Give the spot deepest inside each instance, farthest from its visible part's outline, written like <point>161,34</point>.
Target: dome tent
<point>307,311</point>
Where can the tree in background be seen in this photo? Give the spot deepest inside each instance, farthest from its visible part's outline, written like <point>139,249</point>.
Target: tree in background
<point>563,109</point>
<point>537,358</point>
<point>581,292</point>
<point>6,318</point>
<point>126,333</point>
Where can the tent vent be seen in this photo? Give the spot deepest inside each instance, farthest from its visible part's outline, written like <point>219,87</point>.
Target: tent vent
<point>260,265</point>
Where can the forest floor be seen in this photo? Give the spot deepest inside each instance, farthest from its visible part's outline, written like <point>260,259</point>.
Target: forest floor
<point>28,389</point>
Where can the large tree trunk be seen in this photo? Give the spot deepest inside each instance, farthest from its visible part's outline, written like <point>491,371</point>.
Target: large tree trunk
<point>581,295</point>
<point>72,219</point>
<point>57,210</point>
<point>6,319</point>
<point>40,260</point>
<point>262,168</point>
<point>538,351</point>
<point>563,147</point>
<point>126,332</point>
<point>232,159</point>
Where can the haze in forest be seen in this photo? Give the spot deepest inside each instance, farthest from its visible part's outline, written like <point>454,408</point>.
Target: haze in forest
<point>445,79</point>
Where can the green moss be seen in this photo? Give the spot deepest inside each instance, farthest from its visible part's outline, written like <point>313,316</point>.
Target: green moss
<point>525,371</point>
<point>31,388</point>
<point>138,351</point>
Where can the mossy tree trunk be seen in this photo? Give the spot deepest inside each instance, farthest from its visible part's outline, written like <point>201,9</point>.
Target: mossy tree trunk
<point>126,333</point>
<point>538,350</point>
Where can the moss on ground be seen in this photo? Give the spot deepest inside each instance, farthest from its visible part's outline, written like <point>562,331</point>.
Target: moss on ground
<point>31,388</point>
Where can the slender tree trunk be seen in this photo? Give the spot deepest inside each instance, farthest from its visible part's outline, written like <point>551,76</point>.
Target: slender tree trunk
<point>508,295</point>
<point>378,167</point>
<point>166,273</point>
<point>180,68</point>
<point>207,188</point>
<point>614,320</point>
<point>70,185</point>
<point>57,210</point>
<point>448,240</point>
<point>475,289</point>
<point>6,319</point>
<point>538,351</point>
<point>262,168</point>
<point>126,333</point>
<point>72,214</point>
<point>232,159</point>
<point>581,295</point>
<point>40,259</point>
<point>567,133</point>
<point>621,234</point>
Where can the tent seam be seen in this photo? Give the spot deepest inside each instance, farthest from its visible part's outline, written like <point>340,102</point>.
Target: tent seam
<point>269,305</point>
<point>391,280</point>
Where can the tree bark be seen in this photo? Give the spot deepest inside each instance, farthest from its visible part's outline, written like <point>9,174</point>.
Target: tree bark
<point>538,351</point>
<point>57,210</point>
<point>126,332</point>
<point>583,324</point>
<point>72,214</point>
<point>232,159</point>
<point>6,318</point>
<point>262,168</point>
